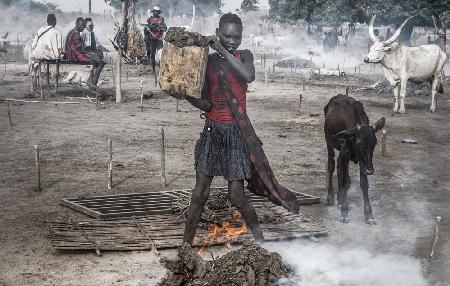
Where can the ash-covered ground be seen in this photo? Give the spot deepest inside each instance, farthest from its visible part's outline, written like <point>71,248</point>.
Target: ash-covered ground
<point>409,189</point>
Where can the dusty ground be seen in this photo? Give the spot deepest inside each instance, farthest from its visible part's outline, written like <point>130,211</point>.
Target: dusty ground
<point>409,189</point>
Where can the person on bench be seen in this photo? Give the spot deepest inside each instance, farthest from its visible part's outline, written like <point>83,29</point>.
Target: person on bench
<point>47,44</point>
<point>91,43</point>
<point>76,52</point>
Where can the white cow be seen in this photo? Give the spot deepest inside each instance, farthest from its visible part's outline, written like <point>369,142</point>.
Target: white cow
<point>401,63</point>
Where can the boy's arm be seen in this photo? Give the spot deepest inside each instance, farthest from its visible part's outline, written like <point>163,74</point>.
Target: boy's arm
<point>201,103</point>
<point>244,67</point>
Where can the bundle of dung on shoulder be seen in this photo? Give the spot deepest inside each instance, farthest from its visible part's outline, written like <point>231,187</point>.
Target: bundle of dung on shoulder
<point>180,37</point>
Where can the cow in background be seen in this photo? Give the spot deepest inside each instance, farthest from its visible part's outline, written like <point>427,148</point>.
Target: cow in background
<point>347,130</point>
<point>3,43</point>
<point>401,63</point>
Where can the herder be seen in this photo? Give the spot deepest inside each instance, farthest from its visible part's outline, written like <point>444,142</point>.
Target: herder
<point>153,34</point>
<point>228,145</point>
<point>90,40</point>
<point>75,51</point>
<point>48,42</point>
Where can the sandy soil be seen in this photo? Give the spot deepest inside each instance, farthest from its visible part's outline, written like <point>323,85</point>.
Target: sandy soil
<point>409,189</point>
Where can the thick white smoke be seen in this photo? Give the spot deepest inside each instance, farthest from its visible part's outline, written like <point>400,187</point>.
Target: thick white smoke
<point>319,264</point>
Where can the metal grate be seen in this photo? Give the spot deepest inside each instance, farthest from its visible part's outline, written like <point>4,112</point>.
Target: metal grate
<point>163,231</point>
<point>152,203</point>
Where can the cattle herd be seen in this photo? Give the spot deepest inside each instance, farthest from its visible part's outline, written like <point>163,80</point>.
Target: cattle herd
<point>347,127</point>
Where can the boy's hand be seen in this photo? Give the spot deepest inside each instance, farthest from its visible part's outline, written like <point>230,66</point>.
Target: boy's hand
<point>179,94</point>
<point>215,44</point>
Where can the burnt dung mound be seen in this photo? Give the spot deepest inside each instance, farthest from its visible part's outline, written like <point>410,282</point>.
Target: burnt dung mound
<point>250,265</point>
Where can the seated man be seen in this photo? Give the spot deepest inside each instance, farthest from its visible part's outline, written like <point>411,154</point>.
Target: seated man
<point>90,40</point>
<point>75,51</point>
<point>47,44</point>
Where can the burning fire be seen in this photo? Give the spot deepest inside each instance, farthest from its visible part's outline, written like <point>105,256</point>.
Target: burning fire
<point>223,233</point>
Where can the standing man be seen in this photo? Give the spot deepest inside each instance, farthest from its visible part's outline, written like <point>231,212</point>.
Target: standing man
<point>153,33</point>
<point>75,51</point>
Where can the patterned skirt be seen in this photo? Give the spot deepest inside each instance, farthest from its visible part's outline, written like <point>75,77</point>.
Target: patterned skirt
<point>220,152</point>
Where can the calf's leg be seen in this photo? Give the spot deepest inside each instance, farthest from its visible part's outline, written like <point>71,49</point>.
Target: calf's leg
<point>345,186</point>
<point>330,172</point>
<point>364,184</point>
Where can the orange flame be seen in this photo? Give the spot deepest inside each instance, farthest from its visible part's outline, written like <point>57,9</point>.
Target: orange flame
<point>224,233</point>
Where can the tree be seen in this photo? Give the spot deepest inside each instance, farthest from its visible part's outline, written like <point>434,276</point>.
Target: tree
<point>393,12</point>
<point>249,5</point>
<point>177,7</point>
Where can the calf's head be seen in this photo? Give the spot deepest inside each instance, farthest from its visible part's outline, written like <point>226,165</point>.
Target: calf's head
<point>362,140</point>
<point>380,48</point>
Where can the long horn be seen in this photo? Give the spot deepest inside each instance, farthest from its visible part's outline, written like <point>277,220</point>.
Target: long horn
<point>371,34</point>
<point>397,33</point>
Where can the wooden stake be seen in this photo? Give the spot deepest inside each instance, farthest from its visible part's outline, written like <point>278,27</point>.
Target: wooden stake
<point>110,164</point>
<point>437,228</point>
<point>347,90</point>
<point>163,159</point>
<point>97,96</point>
<point>178,105</point>
<point>355,69</point>
<point>38,169</point>
<point>113,75</point>
<point>127,74</point>
<point>142,95</point>
<point>300,103</point>
<point>264,60</point>
<point>9,116</point>
<point>304,88</point>
<point>383,142</point>
<point>266,78</point>
<point>118,82</point>
<point>273,68</point>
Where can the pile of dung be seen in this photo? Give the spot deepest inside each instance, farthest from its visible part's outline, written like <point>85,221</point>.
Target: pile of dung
<point>179,37</point>
<point>250,265</point>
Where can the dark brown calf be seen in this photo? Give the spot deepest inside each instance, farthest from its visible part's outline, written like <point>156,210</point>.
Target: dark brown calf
<point>347,130</point>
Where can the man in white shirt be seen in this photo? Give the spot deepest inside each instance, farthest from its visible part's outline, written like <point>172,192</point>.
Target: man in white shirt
<point>48,43</point>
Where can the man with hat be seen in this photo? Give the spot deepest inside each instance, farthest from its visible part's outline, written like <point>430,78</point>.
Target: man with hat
<point>154,32</point>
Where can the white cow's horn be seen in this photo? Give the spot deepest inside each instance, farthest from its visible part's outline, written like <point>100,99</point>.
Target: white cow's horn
<point>396,34</point>
<point>371,34</point>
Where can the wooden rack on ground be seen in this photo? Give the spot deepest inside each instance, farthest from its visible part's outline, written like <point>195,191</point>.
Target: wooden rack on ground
<point>58,63</point>
<point>163,231</point>
<point>150,203</point>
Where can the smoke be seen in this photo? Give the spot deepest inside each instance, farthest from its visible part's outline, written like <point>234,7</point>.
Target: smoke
<point>330,265</point>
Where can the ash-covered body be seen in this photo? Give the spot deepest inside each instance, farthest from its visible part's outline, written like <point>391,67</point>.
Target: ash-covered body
<point>347,130</point>
<point>401,63</point>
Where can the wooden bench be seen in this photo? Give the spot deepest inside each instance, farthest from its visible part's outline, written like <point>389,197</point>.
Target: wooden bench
<point>57,62</point>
